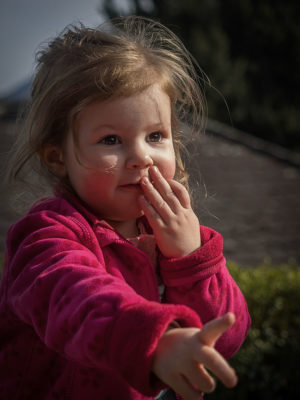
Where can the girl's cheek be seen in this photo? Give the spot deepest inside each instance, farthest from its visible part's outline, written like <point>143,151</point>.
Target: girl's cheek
<point>107,164</point>
<point>111,168</point>
<point>168,173</point>
<point>167,165</point>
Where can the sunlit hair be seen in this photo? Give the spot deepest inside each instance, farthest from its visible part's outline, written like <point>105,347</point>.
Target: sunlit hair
<point>120,58</point>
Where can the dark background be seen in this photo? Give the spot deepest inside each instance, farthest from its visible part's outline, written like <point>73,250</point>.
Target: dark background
<point>250,50</point>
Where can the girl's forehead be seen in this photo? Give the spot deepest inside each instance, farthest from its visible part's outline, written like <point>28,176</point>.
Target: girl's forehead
<point>153,96</point>
<point>151,106</point>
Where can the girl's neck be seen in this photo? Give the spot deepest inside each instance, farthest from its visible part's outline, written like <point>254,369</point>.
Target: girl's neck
<point>127,229</point>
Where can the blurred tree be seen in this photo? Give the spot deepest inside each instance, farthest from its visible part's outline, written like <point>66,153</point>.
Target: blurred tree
<point>250,51</point>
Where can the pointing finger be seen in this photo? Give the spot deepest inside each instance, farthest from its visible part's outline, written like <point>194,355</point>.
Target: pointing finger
<point>211,331</point>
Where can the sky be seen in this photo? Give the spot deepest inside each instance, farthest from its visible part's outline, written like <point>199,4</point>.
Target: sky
<point>25,24</point>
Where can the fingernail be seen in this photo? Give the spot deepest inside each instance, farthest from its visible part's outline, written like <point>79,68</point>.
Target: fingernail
<point>145,180</point>
<point>155,168</point>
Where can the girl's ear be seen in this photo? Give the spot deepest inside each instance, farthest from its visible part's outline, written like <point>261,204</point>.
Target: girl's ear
<point>52,157</point>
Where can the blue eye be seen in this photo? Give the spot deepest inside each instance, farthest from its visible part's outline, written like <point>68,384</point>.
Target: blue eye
<point>155,137</point>
<point>110,140</point>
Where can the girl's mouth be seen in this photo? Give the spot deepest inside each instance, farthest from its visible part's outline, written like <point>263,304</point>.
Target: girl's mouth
<point>131,187</point>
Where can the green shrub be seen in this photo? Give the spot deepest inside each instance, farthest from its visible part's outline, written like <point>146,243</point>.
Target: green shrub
<point>268,362</point>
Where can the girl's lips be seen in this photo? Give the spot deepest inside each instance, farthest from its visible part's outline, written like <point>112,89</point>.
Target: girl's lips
<point>131,187</point>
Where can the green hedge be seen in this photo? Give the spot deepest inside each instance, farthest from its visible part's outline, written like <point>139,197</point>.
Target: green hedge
<point>268,362</point>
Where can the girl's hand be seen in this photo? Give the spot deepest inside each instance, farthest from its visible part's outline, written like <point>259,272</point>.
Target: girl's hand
<point>183,356</point>
<point>168,209</point>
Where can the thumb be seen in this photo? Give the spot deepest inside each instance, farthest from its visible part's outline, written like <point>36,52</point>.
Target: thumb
<point>211,331</point>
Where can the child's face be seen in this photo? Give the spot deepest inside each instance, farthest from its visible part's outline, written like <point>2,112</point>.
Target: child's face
<point>118,140</point>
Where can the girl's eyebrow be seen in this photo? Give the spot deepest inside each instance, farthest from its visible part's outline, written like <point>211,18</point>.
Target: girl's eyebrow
<point>104,126</point>
<point>158,125</point>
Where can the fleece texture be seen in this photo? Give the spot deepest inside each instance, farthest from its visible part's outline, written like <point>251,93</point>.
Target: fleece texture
<point>80,312</point>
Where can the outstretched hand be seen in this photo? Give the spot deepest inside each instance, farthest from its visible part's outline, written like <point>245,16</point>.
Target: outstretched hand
<point>167,206</point>
<point>183,356</point>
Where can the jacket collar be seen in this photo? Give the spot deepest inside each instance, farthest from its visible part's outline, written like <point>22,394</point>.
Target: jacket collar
<point>103,229</point>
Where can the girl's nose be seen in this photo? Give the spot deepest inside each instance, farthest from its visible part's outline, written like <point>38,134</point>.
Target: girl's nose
<point>139,159</point>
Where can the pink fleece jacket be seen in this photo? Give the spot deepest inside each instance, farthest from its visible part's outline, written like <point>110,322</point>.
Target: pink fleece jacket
<point>80,314</point>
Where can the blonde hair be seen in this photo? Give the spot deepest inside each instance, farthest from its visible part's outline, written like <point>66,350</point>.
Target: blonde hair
<point>82,65</point>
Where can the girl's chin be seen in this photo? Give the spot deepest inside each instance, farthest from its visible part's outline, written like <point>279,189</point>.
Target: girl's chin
<point>123,219</point>
<point>127,227</point>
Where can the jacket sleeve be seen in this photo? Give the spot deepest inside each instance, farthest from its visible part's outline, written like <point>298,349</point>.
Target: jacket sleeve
<point>58,286</point>
<point>202,281</point>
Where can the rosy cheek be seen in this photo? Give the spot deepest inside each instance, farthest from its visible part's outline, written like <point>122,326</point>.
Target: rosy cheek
<point>167,166</point>
<point>168,173</point>
<point>107,165</point>
<point>110,169</point>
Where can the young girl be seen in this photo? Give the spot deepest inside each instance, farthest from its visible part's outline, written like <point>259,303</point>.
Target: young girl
<point>82,316</point>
